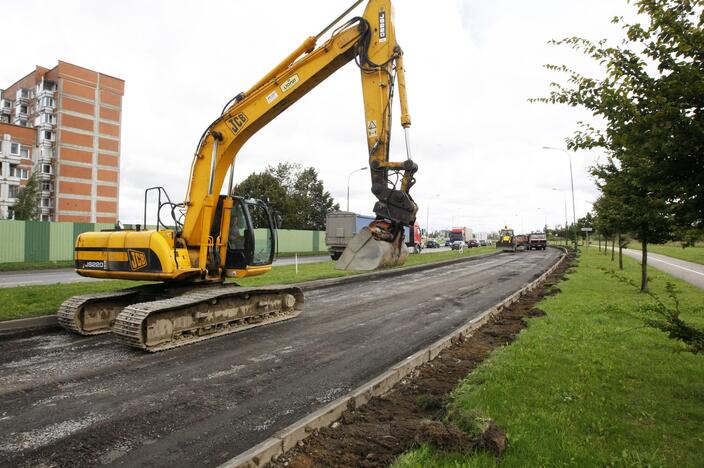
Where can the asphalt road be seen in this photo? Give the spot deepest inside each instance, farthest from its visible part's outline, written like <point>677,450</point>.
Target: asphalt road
<point>11,279</point>
<point>67,400</point>
<point>692,273</point>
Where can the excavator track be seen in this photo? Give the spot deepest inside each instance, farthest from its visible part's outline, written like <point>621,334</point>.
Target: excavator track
<point>93,314</point>
<point>199,315</point>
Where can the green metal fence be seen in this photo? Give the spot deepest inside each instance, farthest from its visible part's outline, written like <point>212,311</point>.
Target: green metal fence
<point>37,241</point>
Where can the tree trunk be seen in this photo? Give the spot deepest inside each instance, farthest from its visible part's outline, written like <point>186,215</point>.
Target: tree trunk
<point>644,267</point>
<point>620,252</point>
<point>599,240</point>
<point>613,242</point>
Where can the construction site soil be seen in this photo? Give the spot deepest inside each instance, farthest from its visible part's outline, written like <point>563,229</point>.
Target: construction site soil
<point>68,400</point>
<point>414,411</point>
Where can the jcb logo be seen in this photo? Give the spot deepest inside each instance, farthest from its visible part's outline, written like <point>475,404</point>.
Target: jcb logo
<point>237,122</point>
<point>138,260</point>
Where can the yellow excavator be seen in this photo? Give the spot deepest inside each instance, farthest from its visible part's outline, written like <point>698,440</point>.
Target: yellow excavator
<point>219,236</point>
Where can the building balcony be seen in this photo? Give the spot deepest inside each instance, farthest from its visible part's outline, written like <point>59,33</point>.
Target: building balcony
<point>39,125</point>
<point>5,110</point>
<point>44,93</point>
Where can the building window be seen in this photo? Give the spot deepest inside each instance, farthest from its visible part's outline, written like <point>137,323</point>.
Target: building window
<point>24,152</point>
<point>46,168</point>
<point>46,186</point>
<point>46,203</point>
<point>47,101</point>
<point>14,191</point>
<point>24,93</point>
<point>14,148</point>
<point>21,172</point>
<point>45,217</point>
<point>23,109</point>
<point>48,135</point>
<point>10,213</point>
<point>6,104</point>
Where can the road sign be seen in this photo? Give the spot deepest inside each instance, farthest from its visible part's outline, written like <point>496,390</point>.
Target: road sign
<point>587,229</point>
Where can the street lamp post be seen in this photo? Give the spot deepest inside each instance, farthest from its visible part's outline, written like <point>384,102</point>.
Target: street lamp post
<point>427,215</point>
<point>557,190</point>
<point>574,215</point>
<point>348,184</point>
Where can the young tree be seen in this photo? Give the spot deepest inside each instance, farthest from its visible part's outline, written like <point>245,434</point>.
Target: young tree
<point>27,205</point>
<point>637,209</point>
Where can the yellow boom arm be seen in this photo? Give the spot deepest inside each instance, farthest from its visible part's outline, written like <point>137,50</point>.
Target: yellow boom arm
<point>370,40</point>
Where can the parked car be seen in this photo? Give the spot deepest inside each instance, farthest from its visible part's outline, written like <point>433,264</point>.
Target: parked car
<point>483,243</point>
<point>472,243</point>
<point>448,243</point>
<point>431,244</point>
<point>457,245</point>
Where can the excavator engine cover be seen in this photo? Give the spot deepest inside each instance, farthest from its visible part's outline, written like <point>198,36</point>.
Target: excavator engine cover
<point>365,252</point>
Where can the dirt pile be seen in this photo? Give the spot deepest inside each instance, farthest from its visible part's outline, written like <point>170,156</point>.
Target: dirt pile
<point>414,411</point>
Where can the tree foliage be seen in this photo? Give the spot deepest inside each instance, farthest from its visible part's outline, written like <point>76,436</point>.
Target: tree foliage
<point>652,99</point>
<point>26,207</point>
<point>293,192</point>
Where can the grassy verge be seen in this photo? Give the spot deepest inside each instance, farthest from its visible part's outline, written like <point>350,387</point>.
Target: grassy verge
<point>33,301</point>
<point>23,266</point>
<point>587,385</point>
<point>320,253</point>
<point>691,254</point>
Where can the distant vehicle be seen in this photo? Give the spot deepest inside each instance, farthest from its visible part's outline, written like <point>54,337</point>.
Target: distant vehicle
<point>483,242</point>
<point>448,243</point>
<point>413,242</point>
<point>431,244</point>
<point>507,240</point>
<point>460,233</point>
<point>522,241</point>
<point>457,245</point>
<point>340,228</point>
<point>472,243</point>
<point>537,241</point>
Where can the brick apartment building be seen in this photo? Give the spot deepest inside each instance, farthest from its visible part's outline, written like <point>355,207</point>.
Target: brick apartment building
<point>64,124</point>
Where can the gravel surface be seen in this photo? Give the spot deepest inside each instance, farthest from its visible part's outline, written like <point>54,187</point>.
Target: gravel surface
<point>84,401</point>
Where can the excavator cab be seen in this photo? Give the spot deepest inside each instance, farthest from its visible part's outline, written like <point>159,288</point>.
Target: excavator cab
<point>251,243</point>
<point>251,240</point>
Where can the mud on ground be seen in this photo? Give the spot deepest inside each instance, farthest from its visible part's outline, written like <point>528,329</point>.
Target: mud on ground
<point>377,433</point>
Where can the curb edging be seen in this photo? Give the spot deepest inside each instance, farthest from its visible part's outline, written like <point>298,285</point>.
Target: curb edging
<point>286,438</point>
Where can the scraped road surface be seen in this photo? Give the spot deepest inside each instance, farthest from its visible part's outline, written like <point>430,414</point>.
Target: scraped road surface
<point>85,401</point>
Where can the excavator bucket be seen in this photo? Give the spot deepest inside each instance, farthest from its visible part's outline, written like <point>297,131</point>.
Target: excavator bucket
<point>364,252</point>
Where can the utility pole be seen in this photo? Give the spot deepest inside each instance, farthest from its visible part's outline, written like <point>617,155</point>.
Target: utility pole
<point>348,184</point>
<point>574,212</point>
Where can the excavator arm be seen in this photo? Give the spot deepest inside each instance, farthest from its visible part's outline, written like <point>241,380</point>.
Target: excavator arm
<point>369,41</point>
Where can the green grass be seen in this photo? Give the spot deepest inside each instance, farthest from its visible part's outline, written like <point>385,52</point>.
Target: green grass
<point>673,249</point>
<point>22,266</point>
<point>587,385</point>
<point>33,301</point>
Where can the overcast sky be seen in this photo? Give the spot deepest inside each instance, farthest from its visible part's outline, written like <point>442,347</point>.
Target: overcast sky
<point>471,67</point>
